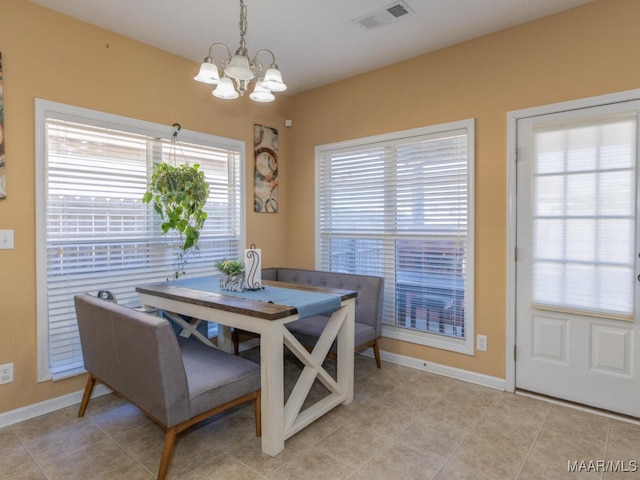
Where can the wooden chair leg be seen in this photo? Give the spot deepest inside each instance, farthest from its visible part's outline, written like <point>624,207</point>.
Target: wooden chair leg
<point>235,336</point>
<point>376,352</point>
<point>88,390</point>
<point>258,414</point>
<point>167,451</point>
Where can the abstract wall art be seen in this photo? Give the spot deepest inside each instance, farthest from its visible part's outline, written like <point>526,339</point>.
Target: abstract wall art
<point>265,152</point>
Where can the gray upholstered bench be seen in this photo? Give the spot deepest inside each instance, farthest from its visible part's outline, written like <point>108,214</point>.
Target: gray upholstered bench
<point>368,317</point>
<point>177,382</point>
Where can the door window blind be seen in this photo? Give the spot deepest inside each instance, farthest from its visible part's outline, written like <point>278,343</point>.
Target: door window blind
<point>100,236</point>
<point>400,208</point>
<point>584,216</point>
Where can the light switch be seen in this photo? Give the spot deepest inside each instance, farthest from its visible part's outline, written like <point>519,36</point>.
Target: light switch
<point>6,239</point>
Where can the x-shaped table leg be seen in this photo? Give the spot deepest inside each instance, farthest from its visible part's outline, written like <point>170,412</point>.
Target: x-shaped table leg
<point>189,328</point>
<point>295,420</point>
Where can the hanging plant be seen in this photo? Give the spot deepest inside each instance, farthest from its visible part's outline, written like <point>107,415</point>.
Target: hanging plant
<point>179,194</point>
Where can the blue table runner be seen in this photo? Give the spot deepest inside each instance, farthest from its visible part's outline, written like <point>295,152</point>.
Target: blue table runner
<point>307,303</point>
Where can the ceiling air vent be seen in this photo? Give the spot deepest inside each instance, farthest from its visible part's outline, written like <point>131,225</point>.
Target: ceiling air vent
<point>384,15</point>
<point>398,10</point>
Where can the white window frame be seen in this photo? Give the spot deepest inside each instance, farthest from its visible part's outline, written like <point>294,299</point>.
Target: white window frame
<point>45,110</point>
<point>467,345</point>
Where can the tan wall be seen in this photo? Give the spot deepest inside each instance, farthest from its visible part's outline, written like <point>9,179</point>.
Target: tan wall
<point>588,51</point>
<point>53,57</point>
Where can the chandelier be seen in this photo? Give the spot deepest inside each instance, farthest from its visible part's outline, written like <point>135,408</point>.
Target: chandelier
<point>240,68</point>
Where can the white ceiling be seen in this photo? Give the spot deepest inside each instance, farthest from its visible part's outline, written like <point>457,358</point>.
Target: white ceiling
<point>316,42</point>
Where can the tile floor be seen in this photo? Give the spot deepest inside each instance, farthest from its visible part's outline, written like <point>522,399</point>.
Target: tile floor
<point>403,424</point>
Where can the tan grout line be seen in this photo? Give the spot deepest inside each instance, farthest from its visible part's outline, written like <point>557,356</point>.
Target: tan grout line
<point>229,455</point>
<point>606,445</point>
<point>533,443</point>
<point>393,438</point>
<point>221,453</point>
<point>35,460</point>
<point>253,469</point>
<point>453,452</point>
<point>356,469</point>
<point>106,434</point>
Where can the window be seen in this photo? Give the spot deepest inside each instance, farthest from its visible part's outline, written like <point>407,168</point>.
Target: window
<point>401,206</point>
<point>584,217</point>
<point>94,232</point>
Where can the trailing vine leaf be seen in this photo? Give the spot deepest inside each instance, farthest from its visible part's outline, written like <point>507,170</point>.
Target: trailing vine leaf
<point>179,194</point>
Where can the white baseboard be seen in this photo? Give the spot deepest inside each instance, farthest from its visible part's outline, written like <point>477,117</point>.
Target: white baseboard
<point>457,373</point>
<point>31,411</point>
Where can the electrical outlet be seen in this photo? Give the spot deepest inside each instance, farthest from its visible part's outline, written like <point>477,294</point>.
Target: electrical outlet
<point>6,239</point>
<point>481,343</point>
<point>6,373</point>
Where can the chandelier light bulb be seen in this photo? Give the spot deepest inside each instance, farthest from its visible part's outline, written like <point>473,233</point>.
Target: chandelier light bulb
<point>273,79</point>
<point>208,72</point>
<point>238,68</point>
<point>225,89</point>
<point>261,94</point>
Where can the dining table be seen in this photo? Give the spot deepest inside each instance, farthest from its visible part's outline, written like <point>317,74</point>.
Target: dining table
<point>267,311</point>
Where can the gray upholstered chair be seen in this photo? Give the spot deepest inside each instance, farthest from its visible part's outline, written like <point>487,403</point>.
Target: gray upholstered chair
<point>176,382</point>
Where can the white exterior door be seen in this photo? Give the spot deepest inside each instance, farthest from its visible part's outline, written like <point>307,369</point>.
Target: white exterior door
<point>577,268</point>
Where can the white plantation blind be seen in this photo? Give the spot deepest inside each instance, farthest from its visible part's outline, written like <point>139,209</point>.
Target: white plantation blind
<point>98,235</point>
<point>584,216</point>
<point>399,208</point>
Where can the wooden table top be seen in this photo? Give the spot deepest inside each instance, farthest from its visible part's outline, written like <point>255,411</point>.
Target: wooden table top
<point>244,306</point>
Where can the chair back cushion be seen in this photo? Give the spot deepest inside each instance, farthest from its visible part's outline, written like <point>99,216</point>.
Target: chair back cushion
<point>136,354</point>
<point>270,274</point>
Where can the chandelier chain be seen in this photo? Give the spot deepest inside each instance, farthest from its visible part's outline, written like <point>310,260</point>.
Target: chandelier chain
<point>243,26</point>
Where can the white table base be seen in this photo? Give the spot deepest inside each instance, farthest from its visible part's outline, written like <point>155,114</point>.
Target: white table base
<point>279,420</point>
